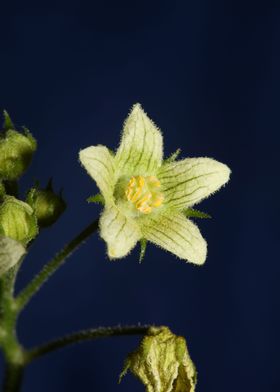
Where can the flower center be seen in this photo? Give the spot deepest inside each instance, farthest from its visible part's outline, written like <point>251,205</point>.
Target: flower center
<point>144,193</point>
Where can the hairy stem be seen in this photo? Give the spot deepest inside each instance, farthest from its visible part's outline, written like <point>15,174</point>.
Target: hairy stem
<point>13,378</point>
<point>27,293</point>
<point>85,335</point>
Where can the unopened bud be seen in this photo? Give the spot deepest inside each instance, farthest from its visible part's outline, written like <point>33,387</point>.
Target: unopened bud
<point>47,205</point>
<point>17,220</point>
<point>16,151</point>
<point>162,363</point>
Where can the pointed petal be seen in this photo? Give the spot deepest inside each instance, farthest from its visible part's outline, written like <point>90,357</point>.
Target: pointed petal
<point>140,152</point>
<point>185,183</point>
<point>11,252</point>
<point>178,235</point>
<point>119,232</point>
<point>99,163</point>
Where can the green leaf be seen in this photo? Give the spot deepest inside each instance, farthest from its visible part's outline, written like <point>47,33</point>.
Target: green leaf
<point>192,213</point>
<point>98,199</point>
<point>11,252</point>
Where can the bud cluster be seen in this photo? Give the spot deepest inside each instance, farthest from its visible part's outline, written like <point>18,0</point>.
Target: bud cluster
<point>21,220</point>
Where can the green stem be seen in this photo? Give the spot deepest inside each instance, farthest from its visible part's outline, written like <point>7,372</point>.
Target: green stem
<point>27,293</point>
<point>13,378</point>
<point>85,335</point>
<point>13,352</point>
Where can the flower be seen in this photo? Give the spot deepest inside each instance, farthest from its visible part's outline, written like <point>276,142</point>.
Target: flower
<point>162,362</point>
<point>145,197</point>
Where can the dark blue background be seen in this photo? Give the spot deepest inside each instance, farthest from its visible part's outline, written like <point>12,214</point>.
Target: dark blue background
<point>207,72</point>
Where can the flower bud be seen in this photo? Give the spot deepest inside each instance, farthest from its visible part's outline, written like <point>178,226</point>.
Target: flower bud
<point>17,220</point>
<point>47,205</point>
<point>16,151</point>
<point>162,363</point>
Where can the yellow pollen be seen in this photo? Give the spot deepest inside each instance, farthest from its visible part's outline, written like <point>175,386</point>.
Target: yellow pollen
<point>143,192</point>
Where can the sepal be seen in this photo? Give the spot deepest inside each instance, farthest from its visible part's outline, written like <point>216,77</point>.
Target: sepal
<point>97,199</point>
<point>143,247</point>
<point>193,213</point>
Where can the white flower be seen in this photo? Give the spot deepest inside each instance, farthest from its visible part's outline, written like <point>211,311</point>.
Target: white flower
<point>145,197</point>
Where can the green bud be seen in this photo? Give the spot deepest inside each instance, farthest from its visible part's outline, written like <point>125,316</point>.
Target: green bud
<point>16,151</point>
<point>47,205</point>
<point>162,363</point>
<point>17,220</point>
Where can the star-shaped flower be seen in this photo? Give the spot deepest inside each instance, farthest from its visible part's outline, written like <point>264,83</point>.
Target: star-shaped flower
<point>146,197</point>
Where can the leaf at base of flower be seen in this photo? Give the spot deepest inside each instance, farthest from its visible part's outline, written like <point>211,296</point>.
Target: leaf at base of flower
<point>143,245</point>
<point>97,199</point>
<point>192,213</point>
<point>173,156</point>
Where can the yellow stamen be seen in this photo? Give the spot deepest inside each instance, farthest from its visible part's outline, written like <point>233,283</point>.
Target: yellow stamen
<point>144,193</point>
<point>158,201</point>
<point>138,192</point>
<point>154,181</point>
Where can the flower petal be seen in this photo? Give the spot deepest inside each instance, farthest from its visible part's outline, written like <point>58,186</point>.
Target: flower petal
<point>178,235</point>
<point>121,233</point>
<point>11,252</point>
<point>185,183</point>
<point>99,163</point>
<point>140,152</point>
